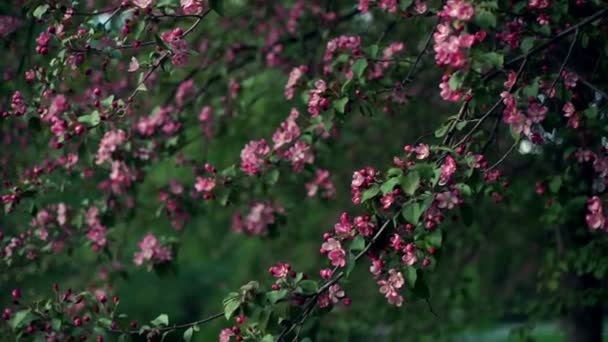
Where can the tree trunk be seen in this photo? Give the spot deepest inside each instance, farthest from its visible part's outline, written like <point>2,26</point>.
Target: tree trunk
<point>583,323</point>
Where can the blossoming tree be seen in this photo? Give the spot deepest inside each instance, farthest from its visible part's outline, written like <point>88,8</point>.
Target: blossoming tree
<point>119,114</point>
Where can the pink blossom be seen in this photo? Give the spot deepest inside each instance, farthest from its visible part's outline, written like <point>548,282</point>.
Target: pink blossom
<point>133,65</point>
<point>595,217</point>
<point>422,151</point>
<point>204,184</point>
<point>364,225</point>
<point>294,76</point>
<point>409,258</point>
<point>420,6</point>
<point>390,286</point>
<point>316,102</point>
<point>226,334</point>
<point>322,181</point>
<point>109,143</point>
<point>448,168</point>
<point>280,270</point>
<point>458,9</point>
<point>299,154</point>
<point>538,4</point>
<point>151,250</point>
<point>253,156</point>
<point>8,25</point>
<point>363,6</point>
<point>447,93</point>
<point>288,132</point>
<point>537,112</point>
<point>205,117</point>
<point>570,113</point>
<point>447,199</point>
<point>121,177</point>
<point>184,90</point>
<point>344,226</point>
<point>192,6</point>
<point>18,104</point>
<point>177,44</point>
<point>143,3</point>
<point>390,6</point>
<point>335,253</point>
<point>336,293</point>
<point>570,79</point>
<point>511,79</point>
<point>260,217</point>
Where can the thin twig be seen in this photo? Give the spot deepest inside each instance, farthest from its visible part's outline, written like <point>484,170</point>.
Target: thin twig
<point>541,47</point>
<point>503,157</point>
<point>564,62</point>
<point>173,327</point>
<point>312,302</point>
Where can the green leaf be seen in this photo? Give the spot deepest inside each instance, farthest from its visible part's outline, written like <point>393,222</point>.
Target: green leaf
<point>404,4</point>
<point>218,6</point>
<point>389,185</point>
<point>267,338</point>
<point>370,193</point>
<point>442,130</point>
<point>231,303</point>
<point>591,112</point>
<point>493,59</point>
<point>273,176</point>
<point>527,44</point>
<point>229,171</point>
<point>340,105</point>
<point>410,182</point>
<point>358,244</point>
<point>161,320</point>
<point>188,334</point>
<point>394,172</point>
<point>464,189</point>
<point>275,296</point>
<point>308,286</point>
<point>359,67</point>
<point>411,275</point>
<point>412,213</point>
<point>426,170</point>
<point>532,89</point>
<point>555,184</point>
<point>485,19</point>
<point>456,80</point>
<point>21,318</point>
<point>92,119</point>
<point>351,262</point>
<point>40,11</point>
<point>435,238</point>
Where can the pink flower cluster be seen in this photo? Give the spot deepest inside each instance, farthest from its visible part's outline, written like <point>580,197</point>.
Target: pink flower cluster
<point>18,104</point>
<point>322,181</point>
<point>151,250</point>
<point>390,287</point>
<point>316,102</point>
<point>8,25</point>
<point>194,7</point>
<point>287,132</point>
<point>292,82</point>
<point>519,122</point>
<point>185,90</point>
<point>161,119</point>
<point>253,156</point>
<point>299,154</point>
<point>378,69</point>
<point>97,231</point>
<point>595,214</point>
<point>335,252</point>
<point>570,114</point>
<point>178,45</point>
<point>449,47</point>
<point>362,180</point>
<point>205,117</point>
<point>351,43</point>
<point>109,143</point>
<point>261,215</point>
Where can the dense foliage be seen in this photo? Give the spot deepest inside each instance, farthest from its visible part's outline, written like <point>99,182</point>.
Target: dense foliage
<point>308,169</point>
